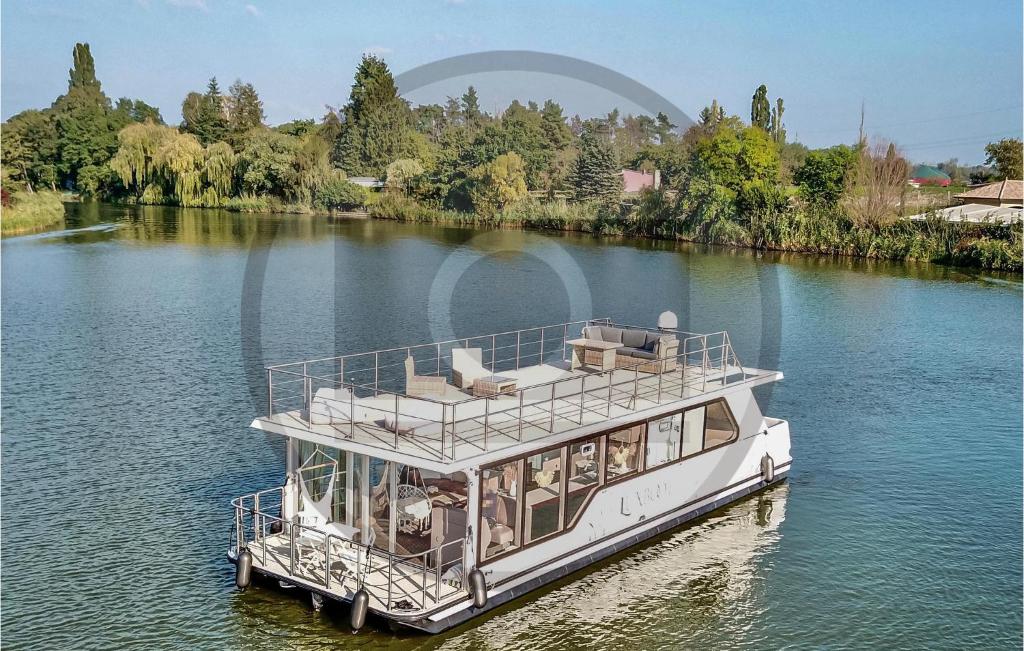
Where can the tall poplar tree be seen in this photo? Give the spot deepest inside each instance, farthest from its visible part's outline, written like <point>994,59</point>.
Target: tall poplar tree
<point>760,110</point>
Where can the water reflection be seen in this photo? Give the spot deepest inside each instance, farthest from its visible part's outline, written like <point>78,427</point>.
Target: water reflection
<point>687,587</point>
<point>221,228</point>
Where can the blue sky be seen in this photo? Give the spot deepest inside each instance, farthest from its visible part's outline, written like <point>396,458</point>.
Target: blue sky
<point>939,78</point>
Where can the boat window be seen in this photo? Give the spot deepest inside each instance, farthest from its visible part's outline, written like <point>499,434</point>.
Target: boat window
<point>623,452</point>
<point>693,431</point>
<point>719,427</point>
<point>663,436</point>
<point>499,509</point>
<point>543,504</point>
<point>584,457</point>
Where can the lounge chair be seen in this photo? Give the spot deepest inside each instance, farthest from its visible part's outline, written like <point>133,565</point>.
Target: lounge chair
<point>422,385</point>
<point>467,366</point>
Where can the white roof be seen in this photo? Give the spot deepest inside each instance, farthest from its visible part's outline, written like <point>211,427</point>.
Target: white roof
<point>977,213</point>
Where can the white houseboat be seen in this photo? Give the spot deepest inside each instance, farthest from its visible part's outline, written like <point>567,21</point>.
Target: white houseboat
<point>428,484</point>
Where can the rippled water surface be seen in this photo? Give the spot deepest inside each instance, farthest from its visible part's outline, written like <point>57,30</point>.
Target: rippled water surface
<point>132,344</point>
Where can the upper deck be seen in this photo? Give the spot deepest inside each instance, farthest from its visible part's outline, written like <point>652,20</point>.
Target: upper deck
<point>382,405</point>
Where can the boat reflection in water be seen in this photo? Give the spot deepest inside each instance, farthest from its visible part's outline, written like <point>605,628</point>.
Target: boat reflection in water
<point>701,584</point>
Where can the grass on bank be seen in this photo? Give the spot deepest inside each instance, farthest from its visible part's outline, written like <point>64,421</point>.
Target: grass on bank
<point>802,230</point>
<point>30,212</point>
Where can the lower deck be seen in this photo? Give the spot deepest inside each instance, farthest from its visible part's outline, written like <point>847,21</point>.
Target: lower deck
<point>337,569</point>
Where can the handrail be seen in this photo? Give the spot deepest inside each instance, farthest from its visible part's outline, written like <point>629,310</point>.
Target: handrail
<point>364,553</point>
<point>697,360</point>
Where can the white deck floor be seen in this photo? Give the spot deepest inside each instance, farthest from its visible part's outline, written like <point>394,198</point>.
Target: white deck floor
<point>481,428</point>
<point>413,587</point>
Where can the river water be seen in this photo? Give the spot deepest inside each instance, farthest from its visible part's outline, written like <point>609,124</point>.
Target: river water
<point>131,349</point>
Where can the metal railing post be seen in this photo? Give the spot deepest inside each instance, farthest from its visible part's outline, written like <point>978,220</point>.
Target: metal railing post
<point>487,414</point>
<point>636,384</point>
<point>704,367</point>
<point>583,386</point>
<point>542,346</point>
<point>396,421</point>
<point>610,393</point>
<point>551,409</point>
<point>439,359</point>
<point>492,353</point>
<point>518,334</point>
<point>661,371</point>
<point>520,416</point>
<point>565,337</point>
<point>291,548</point>
<point>352,412</point>
<point>437,575</point>
<point>454,426</point>
<point>327,563</point>
<point>376,372</point>
<point>270,392</point>
<point>307,397</point>
<point>444,426</point>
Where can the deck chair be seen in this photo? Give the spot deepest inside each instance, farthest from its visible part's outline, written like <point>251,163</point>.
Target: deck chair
<point>467,366</point>
<point>422,385</point>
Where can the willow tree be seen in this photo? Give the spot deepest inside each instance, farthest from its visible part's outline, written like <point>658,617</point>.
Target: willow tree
<point>181,160</point>
<point>498,183</point>
<point>218,173</point>
<point>135,162</point>
<point>312,164</point>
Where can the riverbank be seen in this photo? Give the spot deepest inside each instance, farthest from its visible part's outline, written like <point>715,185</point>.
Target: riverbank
<point>31,212</point>
<point>814,231</point>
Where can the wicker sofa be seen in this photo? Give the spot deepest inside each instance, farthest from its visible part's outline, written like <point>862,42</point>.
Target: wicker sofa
<point>650,352</point>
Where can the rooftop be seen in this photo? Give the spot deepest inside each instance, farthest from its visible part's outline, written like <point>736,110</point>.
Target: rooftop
<point>976,213</point>
<point>1009,190</point>
<point>452,409</point>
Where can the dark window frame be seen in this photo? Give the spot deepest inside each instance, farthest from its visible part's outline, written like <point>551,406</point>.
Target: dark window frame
<point>603,481</point>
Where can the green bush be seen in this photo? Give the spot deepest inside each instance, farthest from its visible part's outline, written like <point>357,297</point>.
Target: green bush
<point>340,194</point>
<point>248,203</point>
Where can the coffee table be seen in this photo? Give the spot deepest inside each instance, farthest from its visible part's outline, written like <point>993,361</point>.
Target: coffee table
<point>493,384</point>
<point>593,352</point>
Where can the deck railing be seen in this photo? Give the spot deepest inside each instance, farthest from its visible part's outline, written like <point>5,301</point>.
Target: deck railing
<point>367,389</point>
<point>405,583</point>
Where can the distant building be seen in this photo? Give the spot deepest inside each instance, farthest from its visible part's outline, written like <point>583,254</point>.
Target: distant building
<point>976,213</point>
<point>367,182</point>
<point>928,175</point>
<point>1002,194</point>
<point>633,181</point>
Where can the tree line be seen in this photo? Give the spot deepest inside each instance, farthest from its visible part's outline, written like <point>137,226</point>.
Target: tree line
<point>725,179</point>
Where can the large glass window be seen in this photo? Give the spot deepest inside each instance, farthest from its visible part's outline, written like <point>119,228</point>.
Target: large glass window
<point>584,457</point>
<point>663,438</point>
<point>543,494</point>
<point>623,452</point>
<point>693,431</point>
<point>719,427</point>
<point>499,509</point>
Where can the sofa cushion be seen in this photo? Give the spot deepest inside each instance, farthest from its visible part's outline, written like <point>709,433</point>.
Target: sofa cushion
<point>613,335</point>
<point>592,332</point>
<point>651,341</point>
<point>634,338</point>
<point>643,354</point>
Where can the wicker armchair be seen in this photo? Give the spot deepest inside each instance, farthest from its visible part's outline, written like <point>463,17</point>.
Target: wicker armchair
<point>422,385</point>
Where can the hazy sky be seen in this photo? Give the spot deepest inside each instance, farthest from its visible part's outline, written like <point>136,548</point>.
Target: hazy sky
<point>939,78</point>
